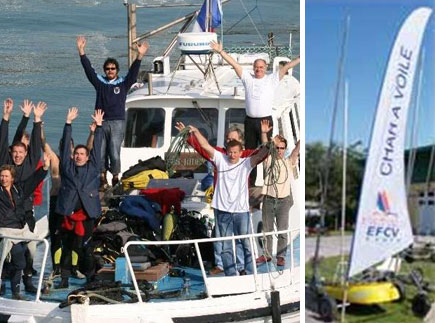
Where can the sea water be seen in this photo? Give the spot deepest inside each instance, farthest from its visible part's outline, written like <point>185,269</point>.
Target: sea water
<point>39,59</point>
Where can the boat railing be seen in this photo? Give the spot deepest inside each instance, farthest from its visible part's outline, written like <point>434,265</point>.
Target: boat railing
<point>272,51</point>
<point>292,233</point>
<point>44,259</point>
<point>46,199</point>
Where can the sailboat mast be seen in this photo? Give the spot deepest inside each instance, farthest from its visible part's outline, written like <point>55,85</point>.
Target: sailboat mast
<point>324,194</point>
<point>343,192</point>
<point>414,126</point>
<point>343,279</point>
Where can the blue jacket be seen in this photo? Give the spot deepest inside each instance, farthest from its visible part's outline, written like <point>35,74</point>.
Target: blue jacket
<point>79,182</point>
<point>111,96</point>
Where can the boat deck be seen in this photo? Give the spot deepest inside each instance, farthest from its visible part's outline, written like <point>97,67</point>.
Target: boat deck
<point>171,287</point>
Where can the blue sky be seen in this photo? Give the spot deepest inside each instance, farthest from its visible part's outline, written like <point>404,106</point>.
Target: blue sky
<point>373,27</point>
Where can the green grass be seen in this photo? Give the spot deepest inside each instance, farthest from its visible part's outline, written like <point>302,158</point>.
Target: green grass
<point>389,312</point>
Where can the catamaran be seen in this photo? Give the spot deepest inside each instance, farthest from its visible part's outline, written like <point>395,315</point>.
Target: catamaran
<point>203,91</point>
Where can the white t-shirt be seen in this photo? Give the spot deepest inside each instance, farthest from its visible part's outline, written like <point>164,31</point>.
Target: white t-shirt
<point>231,191</point>
<point>259,93</point>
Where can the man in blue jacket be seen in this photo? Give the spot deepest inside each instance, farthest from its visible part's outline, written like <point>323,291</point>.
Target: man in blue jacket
<point>111,91</point>
<point>78,201</point>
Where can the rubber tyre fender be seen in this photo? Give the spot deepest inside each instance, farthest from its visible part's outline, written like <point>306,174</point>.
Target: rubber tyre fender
<point>421,305</point>
<point>327,308</point>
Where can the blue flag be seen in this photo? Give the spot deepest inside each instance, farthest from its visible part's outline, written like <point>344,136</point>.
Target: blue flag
<point>216,16</point>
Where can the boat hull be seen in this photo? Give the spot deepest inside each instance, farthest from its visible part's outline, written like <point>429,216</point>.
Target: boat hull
<point>252,307</point>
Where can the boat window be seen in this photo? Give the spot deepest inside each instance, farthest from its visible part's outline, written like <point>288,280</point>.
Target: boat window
<point>205,119</point>
<point>235,117</point>
<point>144,127</point>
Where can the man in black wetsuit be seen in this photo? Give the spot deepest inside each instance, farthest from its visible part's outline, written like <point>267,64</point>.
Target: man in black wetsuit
<point>78,200</point>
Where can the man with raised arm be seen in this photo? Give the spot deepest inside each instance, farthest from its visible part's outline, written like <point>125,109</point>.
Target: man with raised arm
<point>277,200</point>
<point>25,158</point>
<point>111,93</point>
<point>54,219</point>
<point>13,222</point>
<point>259,94</point>
<point>233,133</point>
<point>22,136</point>
<point>78,200</point>
<point>231,197</point>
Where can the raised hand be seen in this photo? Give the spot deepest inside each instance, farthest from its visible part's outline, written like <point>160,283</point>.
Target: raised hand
<point>217,47</point>
<point>193,129</point>
<point>277,140</point>
<point>27,108</point>
<point>295,154</point>
<point>265,126</point>
<point>142,49</point>
<point>98,117</point>
<point>8,106</point>
<point>93,126</point>
<point>46,165</point>
<point>73,112</point>
<point>81,44</point>
<point>39,110</point>
<point>179,126</point>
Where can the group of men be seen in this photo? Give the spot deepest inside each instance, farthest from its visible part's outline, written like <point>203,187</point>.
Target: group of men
<point>79,172</point>
<point>76,174</point>
<point>235,171</point>
<point>19,177</point>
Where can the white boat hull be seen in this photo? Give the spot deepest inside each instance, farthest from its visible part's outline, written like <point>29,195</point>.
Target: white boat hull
<point>251,307</point>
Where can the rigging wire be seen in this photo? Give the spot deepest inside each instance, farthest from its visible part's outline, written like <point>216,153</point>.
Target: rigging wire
<point>248,14</point>
<point>252,21</point>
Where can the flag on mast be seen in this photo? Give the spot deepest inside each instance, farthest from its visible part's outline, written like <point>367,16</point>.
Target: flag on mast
<point>383,227</point>
<point>216,16</point>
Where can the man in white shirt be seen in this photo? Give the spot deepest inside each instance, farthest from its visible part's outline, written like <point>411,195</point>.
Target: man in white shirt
<point>231,198</point>
<point>259,95</point>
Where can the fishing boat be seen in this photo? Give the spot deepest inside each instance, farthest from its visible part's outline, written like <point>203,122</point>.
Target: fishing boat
<point>383,227</point>
<point>205,92</point>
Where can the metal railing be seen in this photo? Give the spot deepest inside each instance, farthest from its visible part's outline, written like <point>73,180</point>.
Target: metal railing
<point>273,51</point>
<point>44,259</point>
<point>45,241</point>
<point>196,243</point>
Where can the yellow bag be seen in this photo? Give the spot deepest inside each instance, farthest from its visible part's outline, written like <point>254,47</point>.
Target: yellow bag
<point>140,180</point>
<point>168,227</point>
<point>209,194</point>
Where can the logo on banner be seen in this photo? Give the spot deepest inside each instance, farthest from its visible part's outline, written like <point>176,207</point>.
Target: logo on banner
<point>383,204</point>
<point>383,225</point>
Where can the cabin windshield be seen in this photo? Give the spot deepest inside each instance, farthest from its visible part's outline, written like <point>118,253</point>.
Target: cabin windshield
<point>205,119</point>
<point>235,118</point>
<point>144,127</point>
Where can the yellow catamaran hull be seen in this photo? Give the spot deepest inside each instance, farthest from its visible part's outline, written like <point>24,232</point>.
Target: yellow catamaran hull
<point>366,293</point>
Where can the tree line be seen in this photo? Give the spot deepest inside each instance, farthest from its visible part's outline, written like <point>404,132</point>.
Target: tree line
<point>315,177</point>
